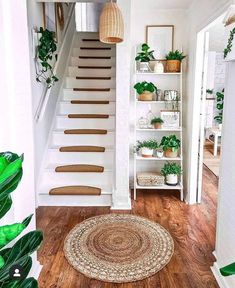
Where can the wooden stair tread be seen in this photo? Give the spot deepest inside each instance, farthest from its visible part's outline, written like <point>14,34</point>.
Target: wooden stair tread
<point>89,102</point>
<point>92,89</point>
<point>92,78</point>
<point>95,48</point>
<point>82,149</point>
<point>91,40</point>
<point>91,116</point>
<point>80,168</point>
<point>94,67</point>
<point>86,131</point>
<point>95,57</point>
<point>75,190</point>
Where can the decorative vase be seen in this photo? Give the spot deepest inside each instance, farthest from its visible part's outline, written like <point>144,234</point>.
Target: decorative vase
<point>171,154</point>
<point>159,95</point>
<point>159,67</point>
<point>173,66</point>
<point>144,67</point>
<point>146,96</point>
<point>172,179</point>
<point>146,152</point>
<point>143,123</point>
<point>157,125</point>
<point>160,153</point>
<point>150,116</point>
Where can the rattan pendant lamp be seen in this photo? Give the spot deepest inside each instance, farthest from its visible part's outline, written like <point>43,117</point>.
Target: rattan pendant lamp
<point>111,24</point>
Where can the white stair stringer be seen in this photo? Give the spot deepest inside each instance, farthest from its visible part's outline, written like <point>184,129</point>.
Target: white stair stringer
<point>90,76</point>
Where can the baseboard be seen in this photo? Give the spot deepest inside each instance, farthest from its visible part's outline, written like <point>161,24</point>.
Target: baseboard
<point>36,270</point>
<point>77,201</point>
<point>219,278</point>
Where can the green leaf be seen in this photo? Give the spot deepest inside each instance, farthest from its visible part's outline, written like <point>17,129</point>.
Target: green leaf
<point>19,253</point>
<point>5,205</point>
<point>11,184</point>
<point>228,270</point>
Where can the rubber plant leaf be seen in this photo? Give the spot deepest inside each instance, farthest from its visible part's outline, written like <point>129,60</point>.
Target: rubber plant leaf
<point>5,205</point>
<point>228,270</point>
<point>26,267</point>
<point>24,247</point>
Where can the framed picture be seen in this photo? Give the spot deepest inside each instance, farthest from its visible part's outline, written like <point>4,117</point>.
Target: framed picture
<point>50,17</point>
<point>161,39</point>
<point>171,118</point>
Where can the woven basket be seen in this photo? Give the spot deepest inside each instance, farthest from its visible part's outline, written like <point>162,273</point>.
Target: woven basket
<point>150,179</point>
<point>111,24</point>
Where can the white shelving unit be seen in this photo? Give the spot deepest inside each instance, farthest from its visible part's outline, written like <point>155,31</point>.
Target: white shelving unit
<point>141,164</point>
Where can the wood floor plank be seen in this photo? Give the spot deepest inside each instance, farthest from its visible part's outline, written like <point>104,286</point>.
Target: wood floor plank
<point>192,228</point>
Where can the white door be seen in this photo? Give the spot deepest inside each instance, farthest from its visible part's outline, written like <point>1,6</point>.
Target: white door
<point>202,118</point>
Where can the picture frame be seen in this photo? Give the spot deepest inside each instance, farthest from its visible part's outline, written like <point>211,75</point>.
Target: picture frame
<point>50,17</point>
<point>171,118</point>
<point>161,39</point>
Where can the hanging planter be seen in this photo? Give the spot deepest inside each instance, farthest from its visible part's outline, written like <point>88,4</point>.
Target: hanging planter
<point>111,24</point>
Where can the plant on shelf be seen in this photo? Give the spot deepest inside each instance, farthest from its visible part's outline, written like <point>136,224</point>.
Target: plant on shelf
<point>45,55</point>
<point>174,59</point>
<point>17,255</point>
<point>220,107</point>
<point>145,90</point>
<point>171,145</point>
<point>144,57</point>
<point>147,147</point>
<point>171,171</point>
<point>157,122</point>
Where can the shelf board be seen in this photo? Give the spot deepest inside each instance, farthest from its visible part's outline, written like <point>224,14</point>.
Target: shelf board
<point>153,73</point>
<point>157,102</point>
<point>163,187</point>
<point>157,159</point>
<point>159,130</point>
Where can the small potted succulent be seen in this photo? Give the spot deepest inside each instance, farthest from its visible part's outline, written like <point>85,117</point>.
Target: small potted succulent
<point>174,59</point>
<point>145,90</point>
<point>144,57</point>
<point>171,145</point>
<point>157,122</point>
<point>171,171</point>
<point>147,147</point>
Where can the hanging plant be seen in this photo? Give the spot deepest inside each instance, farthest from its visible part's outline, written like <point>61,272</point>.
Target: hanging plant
<point>46,53</point>
<point>228,49</point>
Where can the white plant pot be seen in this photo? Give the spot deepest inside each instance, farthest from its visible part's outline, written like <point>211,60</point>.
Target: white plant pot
<point>146,152</point>
<point>160,154</point>
<point>172,179</point>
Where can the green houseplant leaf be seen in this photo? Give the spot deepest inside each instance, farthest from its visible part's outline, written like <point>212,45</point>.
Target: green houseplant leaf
<point>145,55</point>
<point>228,270</point>
<point>5,205</point>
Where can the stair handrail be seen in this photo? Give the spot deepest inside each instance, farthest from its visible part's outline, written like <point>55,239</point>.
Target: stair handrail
<point>45,97</point>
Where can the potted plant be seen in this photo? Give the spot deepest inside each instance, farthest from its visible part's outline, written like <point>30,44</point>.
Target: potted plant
<point>170,146</point>
<point>147,147</point>
<point>160,152</point>
<point>220,107</point>
<point>157,122</point>
<point>144,57</point>
<point>145,90</point>
<point>171,171</point>
<point>174,59</point>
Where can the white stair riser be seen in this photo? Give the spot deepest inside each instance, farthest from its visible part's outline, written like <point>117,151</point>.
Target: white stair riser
<point>78,83</point>
<point>80,52</point>
<point>74,71</point>
<point>71,123</point>
<point>60,139</point>
<point>76,61</point>
<point>67,108</point>
<point>69,94</point>
<point>75,201</point>
<point>80,43</point>
<point>58,179</point>
<point>105,159</point>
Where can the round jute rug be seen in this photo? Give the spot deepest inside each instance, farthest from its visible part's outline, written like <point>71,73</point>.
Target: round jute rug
<point>118,248</point>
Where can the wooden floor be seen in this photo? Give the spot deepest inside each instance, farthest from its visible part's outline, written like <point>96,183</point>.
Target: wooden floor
<point>192,228</point>
<point>211,161</point>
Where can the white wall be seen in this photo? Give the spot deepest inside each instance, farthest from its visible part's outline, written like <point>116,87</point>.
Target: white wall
<point>42,127</point>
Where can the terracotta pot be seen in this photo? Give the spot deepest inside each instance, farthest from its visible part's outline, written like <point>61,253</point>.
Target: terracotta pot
<point>146,96</point>
<point>173,66</point>
<point>170,154</point>
<point>157,126</point>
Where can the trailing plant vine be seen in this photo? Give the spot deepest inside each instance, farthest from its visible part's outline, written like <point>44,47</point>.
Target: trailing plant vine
<point>46,53</point>
<point>228,49</point>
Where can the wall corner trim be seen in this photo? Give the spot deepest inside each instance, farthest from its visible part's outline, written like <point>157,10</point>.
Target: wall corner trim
<point>219,278</point>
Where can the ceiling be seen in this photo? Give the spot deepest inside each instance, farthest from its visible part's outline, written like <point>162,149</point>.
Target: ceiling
<point>165,4</point>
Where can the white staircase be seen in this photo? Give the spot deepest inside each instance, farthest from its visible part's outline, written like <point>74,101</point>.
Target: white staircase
<point>78,167</point>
